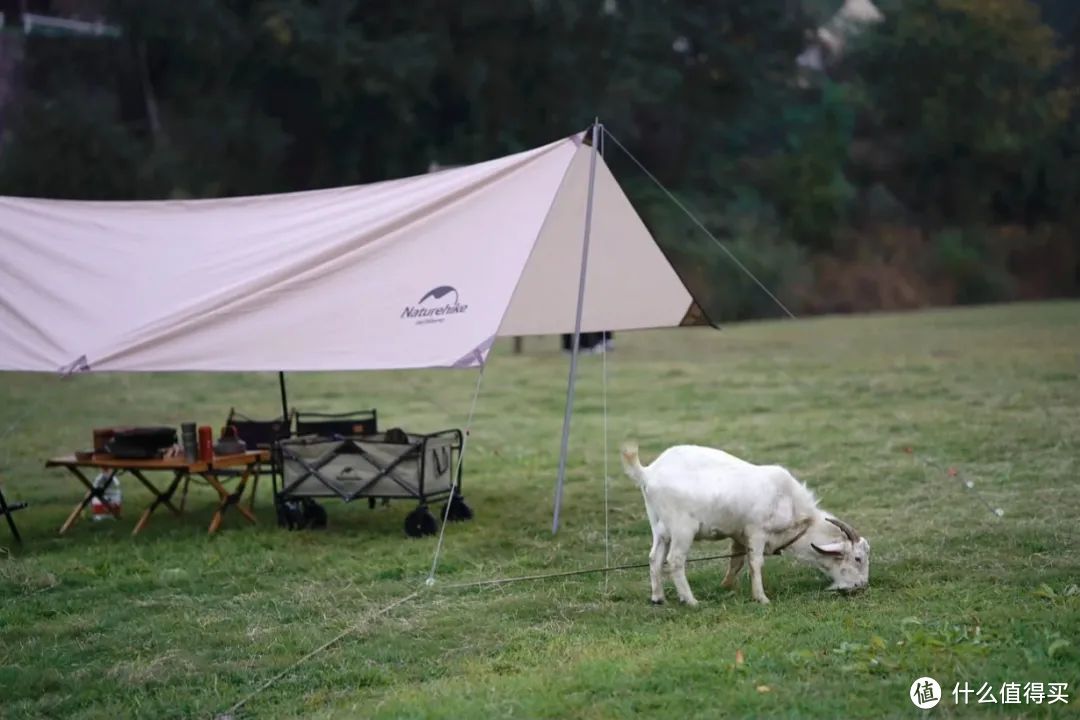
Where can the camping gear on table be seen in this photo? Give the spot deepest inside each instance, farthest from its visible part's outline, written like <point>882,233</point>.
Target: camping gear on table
<point>206,443</point>
<point>140,443</point>
<point>230,442</point>
<point>101,439</point>
<point>190,440</point>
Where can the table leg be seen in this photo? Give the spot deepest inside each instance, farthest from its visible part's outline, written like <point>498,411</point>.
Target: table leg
<point>227,499</point>
<point>75,514</point>
<point>254,489</point>
<point>165,497</point>
<point>162,498</point>
<point>6,512</point>
<point>92,492</point>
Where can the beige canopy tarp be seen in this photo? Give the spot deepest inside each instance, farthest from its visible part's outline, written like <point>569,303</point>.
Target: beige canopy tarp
<point>419,272</point>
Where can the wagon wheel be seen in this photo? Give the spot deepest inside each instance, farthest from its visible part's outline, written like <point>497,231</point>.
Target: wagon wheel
<point>419,523</point>
<point>458,510</point>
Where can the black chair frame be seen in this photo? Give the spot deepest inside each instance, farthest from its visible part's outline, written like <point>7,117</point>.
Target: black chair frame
<point>6,509</point>
<point>332,425</point>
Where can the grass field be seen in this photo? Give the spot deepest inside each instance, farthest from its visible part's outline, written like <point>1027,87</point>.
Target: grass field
<point>177,624</point>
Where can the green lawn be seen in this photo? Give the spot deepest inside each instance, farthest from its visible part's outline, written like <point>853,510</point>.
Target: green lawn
<point>176,624</point>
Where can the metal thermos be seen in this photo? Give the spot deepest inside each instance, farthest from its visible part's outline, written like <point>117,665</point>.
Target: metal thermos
<point>206,443</point>
<point>190,441</point>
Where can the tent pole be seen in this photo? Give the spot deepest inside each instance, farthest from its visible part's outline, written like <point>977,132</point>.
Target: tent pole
<point>596,130</point>
<point>284,398</point>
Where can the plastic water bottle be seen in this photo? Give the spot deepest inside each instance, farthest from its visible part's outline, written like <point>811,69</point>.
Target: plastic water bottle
<point>112,497</point>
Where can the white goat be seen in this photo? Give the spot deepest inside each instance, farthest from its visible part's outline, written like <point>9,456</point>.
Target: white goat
<point>694,492</point>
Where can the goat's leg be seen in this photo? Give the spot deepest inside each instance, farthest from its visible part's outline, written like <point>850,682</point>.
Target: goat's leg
<point>679,549</point>
<point>656,568</point>
<point>738,555</point>
<point>756,557</point>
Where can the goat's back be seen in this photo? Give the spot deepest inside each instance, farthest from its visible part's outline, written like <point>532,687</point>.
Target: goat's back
<point>717,487</point>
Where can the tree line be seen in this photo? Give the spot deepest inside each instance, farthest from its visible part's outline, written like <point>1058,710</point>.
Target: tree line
<point>935,162</point>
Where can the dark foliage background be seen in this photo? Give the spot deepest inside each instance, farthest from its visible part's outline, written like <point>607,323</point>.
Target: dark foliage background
<point>934,162</point>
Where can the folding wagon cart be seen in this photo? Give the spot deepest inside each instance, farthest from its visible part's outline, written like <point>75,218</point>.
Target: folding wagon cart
<point>391,465</point>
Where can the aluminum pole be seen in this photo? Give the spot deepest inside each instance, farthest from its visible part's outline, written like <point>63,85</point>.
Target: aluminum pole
<point>596,131</point>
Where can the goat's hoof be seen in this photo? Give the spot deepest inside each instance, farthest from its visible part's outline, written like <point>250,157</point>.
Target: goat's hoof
<point>763,600</point>
<point>656,601</point>
<point>690,603</point>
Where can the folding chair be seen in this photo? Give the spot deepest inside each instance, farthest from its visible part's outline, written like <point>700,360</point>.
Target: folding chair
<point>350,424</point>
<point>6,509</point>
<point>264,435</point>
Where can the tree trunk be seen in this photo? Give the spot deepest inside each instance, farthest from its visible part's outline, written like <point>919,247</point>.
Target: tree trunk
<point>149,99</point>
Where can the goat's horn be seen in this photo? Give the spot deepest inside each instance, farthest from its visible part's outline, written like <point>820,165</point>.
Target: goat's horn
<point>823,551</point>
<point>849,532</point>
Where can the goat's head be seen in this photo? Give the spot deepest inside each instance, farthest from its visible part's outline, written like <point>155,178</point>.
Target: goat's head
<point>846,561</point>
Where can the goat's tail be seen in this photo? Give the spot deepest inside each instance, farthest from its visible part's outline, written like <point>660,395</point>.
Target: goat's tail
<point>632,463</point>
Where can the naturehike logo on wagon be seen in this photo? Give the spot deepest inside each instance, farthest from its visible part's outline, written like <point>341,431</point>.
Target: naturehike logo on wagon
<point>436,305</point>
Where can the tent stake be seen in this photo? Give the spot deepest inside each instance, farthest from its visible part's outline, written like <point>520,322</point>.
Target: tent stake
<point>577,332</point>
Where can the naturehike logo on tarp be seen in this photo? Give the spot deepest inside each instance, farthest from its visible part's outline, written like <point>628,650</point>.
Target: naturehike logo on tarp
<point>436,305</point>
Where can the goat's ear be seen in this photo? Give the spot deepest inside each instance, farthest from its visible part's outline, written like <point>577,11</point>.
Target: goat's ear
<point>835,549</point>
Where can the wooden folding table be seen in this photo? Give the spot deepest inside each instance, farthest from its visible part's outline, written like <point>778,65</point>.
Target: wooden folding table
<point>179,467</point>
